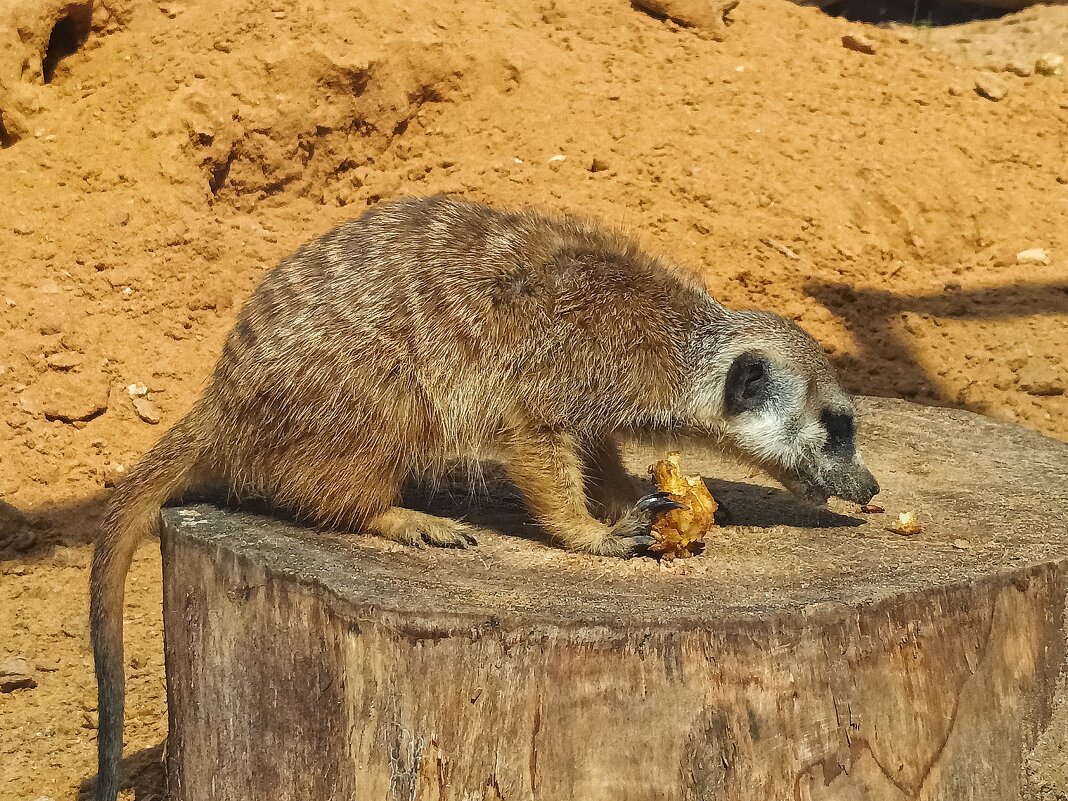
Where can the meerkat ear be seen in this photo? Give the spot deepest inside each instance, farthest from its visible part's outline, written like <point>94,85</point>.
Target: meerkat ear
<point>747,383</point>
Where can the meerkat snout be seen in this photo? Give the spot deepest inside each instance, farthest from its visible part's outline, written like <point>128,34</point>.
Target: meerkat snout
<point>778,404</point>
<point>844,474</point>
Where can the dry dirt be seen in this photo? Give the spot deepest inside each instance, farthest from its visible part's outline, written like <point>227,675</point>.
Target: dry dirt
<point>151,176</point>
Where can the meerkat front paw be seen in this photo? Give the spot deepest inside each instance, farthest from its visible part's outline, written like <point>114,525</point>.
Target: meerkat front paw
<point>636,524</point>
<point>632,534</point>
<point>610,505</point>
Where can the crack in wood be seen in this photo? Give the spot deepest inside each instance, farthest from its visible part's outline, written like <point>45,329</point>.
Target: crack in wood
<point>534,748</point>
<point>904,789</point>
<point>984,651</point>
<point>857,745</point>
<point>443,777</point>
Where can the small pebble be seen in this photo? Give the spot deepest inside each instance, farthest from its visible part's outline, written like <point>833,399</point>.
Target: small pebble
<point>71,629</point>
<point>113,474</point>
<point>1033,256</point>
<point>1020,68</point>
<point>64,360</point>
<point>858,43</point>
<point>30,402</point>
<point>1039,379</point>
<point>780,247</point>
<point>147,410</point>
<point>71,397</point>
<point>991,87</point>
<point>1050,64</point>
<point>16,674</point>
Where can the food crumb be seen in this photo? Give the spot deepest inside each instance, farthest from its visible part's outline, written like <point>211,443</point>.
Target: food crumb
<point>906,525</point>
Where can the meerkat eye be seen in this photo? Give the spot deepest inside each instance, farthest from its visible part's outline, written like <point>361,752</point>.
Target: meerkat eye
<point>840,431</point>
<point>747,384</point>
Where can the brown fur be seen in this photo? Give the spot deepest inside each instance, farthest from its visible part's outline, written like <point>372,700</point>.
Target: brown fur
<point>423,331</point>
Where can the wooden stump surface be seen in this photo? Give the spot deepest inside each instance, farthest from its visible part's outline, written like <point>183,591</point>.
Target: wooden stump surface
<point>805,655</point>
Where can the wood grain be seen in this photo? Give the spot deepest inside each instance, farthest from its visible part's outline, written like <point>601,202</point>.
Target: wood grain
<point>829,660</point>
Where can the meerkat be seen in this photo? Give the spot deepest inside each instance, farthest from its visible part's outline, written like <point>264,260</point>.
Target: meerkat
<point>430,329</point>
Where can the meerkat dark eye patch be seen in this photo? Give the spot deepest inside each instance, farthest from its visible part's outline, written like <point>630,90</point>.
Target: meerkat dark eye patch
<point>748,384</point>
<point>840,432</point>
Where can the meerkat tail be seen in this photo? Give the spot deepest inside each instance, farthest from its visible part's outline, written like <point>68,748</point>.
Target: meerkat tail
<point>133,514</point>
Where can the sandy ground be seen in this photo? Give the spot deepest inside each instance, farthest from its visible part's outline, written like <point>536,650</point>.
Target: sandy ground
<point>149,178</point>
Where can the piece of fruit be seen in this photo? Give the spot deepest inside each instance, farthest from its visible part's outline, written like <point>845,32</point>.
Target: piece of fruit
<point>906,525</point>
<point>680,533</point>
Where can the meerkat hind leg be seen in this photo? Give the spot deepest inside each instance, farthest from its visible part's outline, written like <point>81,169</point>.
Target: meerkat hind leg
<point>414,528</point>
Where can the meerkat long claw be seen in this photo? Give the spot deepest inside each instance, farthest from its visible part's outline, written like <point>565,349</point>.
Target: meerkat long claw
<point>657,502</point>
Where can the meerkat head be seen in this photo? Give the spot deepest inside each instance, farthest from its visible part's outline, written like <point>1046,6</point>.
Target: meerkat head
<point>767,389</point>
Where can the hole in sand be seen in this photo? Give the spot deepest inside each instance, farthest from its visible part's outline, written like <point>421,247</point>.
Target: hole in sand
<point>220,171</point>
<point>919,13</point>
<point>7,139</point>
<point>68,35</point>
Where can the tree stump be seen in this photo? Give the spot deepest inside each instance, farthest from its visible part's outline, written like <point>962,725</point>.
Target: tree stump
<point>805,655</point>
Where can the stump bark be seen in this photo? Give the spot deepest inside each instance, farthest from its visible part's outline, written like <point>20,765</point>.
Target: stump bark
<point>804,655</point>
